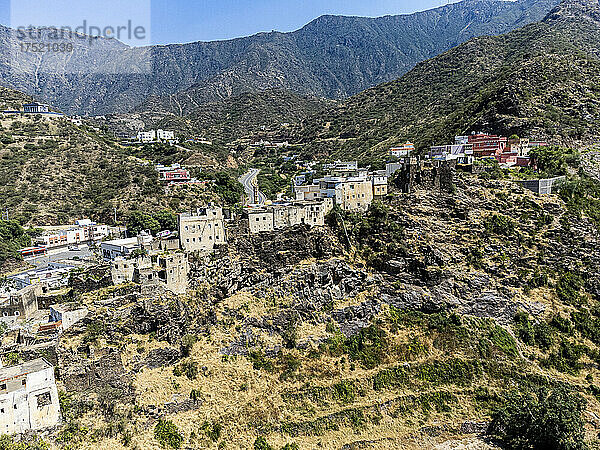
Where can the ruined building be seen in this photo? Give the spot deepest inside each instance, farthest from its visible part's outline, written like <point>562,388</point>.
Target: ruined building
<point>169,270</point>
<point>284,215</point>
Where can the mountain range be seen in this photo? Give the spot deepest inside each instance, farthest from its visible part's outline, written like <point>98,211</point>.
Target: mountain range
<point>333,57</point>
<point>541,81</point>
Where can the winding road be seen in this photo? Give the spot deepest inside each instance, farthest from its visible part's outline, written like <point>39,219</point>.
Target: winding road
<point>250,183</point>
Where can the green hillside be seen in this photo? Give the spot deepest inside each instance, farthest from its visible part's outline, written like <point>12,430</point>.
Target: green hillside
<point>541,81</point>
<point>235,117</point>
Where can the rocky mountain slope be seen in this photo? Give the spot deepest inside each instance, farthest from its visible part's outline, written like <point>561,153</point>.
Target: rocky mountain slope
<point>330,57</point>
<point>539,81</point>
<point>437,311</point>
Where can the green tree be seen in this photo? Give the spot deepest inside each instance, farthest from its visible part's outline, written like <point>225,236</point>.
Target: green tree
<point>546,419</point>
<point>261,444</point>
<point>166,219</point>
<point>554,161</point>
<point>138,221</point>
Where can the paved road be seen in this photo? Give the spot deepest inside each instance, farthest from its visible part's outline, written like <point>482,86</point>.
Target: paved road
<point>60,255</point>
<point>249,181</point>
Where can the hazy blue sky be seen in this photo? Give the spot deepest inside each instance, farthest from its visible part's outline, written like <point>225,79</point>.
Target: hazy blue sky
<point>192,20</point>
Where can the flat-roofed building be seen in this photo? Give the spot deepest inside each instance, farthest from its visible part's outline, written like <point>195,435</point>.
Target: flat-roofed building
<point>403,150</point>
<point>28,397</point>
<point>354,194</point>
<point>36,108</point>
<point>284,215</point>
<point>67,314</point>
<point>380,183</point>
<point>202,230</point>
<point>261,220</point>
<point>121,248</point>
<point>169,269</point>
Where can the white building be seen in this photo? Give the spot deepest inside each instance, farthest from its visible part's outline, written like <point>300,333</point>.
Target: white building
<point>403,150</point>
<point>85,231</point>
<point>28,397</point>
<point>36,108</point>
<point>146,137</point>
<point>121,248</point>
<point>54,276</point>
<point>166,136</point>
<point>67,314</point>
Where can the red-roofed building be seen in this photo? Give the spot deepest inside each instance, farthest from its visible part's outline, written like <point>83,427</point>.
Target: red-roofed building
<point>487,144</point>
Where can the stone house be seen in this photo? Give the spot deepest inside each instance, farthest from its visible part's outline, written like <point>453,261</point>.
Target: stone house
<point>28,397</point>
<point>202,230</point>
<point>21,304</point>
<point>281,216</point>
<point>355,194</point>
<point>261,220</point>
<point>169,269</point>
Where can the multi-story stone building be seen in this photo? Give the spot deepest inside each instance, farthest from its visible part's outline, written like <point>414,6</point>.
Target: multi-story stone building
<point>168,269</point>
<point>21,304</point>
<point>354,194</point>
<point>202,230</point>
<point>28,397</point>
<point>284,215</point>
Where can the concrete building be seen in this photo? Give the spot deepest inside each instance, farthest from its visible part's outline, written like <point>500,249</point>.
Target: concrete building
<point>146,137</point>
<point>403,150</point>
<point>84,231</point>
<point>36,108</point>
<point>28,397</point>
<point>308,192</point>
<point>543,186</point>
<point>392,168</point>
<point>202,230</point>
<point>487,144</point>
<point>380,183</point>
<point>121,248</point>
<point>169,269</point>
<point>67,314</point>
<point>345,169</point>
<point>53,276</point>
<point>165,136</point>
<point>173,174</point>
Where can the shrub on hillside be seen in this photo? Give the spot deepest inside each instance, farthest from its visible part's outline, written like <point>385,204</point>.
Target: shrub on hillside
<point>549,418</point>
<point>167,434</point>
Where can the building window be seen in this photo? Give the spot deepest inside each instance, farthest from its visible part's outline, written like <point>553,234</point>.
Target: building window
<point>3,387</point>
<point>43,400</point>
